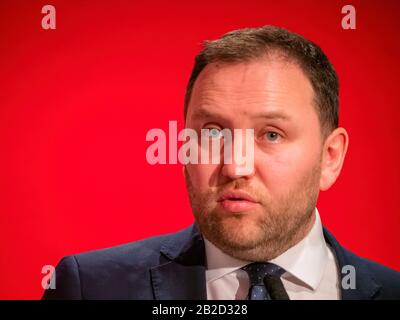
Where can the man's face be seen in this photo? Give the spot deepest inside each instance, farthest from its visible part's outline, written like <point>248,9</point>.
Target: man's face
<point>257,216</point>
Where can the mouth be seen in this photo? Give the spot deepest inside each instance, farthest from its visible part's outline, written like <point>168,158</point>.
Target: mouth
<point>236,201</point>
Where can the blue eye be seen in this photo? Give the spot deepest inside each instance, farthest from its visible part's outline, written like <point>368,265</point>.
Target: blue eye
<point>272,136</point>
<point>213,133</point>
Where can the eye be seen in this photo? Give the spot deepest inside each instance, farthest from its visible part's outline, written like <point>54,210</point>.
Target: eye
<point>213,133</point>
<point>272,136</point>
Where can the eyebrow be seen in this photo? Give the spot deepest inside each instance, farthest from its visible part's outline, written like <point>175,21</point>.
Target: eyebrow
<point>273,115</point>
<point>202,113</point>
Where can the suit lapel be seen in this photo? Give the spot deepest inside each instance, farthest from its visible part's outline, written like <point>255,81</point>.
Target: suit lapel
<point>173,281</point>
<point>181,274</point>
<point>366,286</point>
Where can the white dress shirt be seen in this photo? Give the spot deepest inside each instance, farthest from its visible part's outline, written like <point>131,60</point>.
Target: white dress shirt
<point>311,270</point>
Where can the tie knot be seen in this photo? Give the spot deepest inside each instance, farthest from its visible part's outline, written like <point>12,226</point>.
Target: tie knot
<point>258,270</point>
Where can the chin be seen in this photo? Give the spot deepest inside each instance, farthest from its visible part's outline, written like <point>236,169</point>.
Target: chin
<point>240,231</point>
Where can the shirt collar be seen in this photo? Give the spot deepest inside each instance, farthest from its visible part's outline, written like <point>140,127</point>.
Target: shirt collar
<point>219,263</point>
<point>305,261</point>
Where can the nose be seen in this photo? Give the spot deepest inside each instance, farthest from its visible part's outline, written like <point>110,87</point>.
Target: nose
<point>235,171</point>
<point>241,161</point>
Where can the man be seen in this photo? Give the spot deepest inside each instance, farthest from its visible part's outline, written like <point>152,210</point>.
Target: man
<point>258,234</point>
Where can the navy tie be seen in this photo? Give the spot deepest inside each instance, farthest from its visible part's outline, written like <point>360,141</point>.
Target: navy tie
<point>265,282</point>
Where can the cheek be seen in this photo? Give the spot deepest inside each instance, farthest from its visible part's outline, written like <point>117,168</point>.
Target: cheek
<point>201,175</point>
<point>283,169</point>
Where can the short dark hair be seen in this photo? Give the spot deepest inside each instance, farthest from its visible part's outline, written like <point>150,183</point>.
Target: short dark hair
<point>251,43</point>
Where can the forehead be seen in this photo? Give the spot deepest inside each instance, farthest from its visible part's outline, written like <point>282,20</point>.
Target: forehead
<point>266,84</point>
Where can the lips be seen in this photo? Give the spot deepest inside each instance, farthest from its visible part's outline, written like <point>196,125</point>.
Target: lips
<point>237,201</point>
<point>236,195</point>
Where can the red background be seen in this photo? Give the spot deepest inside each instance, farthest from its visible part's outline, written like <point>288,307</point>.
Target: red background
<point>76,104</point>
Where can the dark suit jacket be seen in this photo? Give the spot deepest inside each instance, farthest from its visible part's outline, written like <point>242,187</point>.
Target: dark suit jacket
<point>173,267</point>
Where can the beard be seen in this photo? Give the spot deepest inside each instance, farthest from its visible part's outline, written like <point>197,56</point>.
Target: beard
<point>265,233</point>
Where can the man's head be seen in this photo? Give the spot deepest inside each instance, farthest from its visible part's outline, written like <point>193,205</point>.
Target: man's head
<point>282,86</point>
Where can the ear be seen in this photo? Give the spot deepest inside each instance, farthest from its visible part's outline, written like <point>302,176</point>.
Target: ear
<point>333,154</point>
